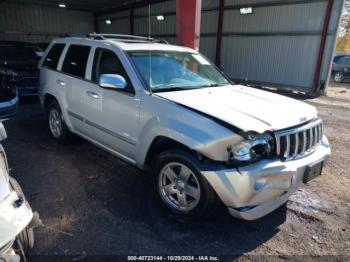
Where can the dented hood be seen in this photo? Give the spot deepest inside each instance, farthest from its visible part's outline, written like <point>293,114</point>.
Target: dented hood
<point>247,108</point>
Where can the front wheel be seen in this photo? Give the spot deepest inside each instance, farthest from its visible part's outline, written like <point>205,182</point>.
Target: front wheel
<point>338,77</point>
<point>180,186</point>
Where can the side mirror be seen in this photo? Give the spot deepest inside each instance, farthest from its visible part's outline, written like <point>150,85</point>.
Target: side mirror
<point>112,81</point>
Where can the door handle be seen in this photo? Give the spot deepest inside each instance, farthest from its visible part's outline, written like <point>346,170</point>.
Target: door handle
<point>60,82</point>
<point>92,94</point>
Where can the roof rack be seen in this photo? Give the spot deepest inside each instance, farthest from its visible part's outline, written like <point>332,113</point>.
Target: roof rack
<point>126,38</point>
<point>118,37</point>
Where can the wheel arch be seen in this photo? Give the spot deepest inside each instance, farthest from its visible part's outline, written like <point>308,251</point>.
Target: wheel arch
<point>48,99</point>
<point>161,144</point>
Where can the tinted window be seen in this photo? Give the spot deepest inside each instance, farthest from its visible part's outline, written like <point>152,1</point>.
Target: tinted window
<point>16,53</point>
<point>76,60</point>
<point>344,60</point>
<point>107,62</point>
<point>52,58</point>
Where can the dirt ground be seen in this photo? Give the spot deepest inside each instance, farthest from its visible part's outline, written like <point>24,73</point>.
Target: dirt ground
<point>93,204</point>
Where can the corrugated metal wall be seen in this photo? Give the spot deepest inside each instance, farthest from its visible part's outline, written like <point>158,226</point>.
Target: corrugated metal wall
<point>34,23</point>
<point>277,45</point>
<point>120,23</point>
<point>165,30</point>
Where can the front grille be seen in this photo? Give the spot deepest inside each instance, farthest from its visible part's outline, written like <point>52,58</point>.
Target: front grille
<point>298,142</point>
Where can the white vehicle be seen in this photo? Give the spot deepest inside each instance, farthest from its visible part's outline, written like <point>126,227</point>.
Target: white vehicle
<point>16,216</point>
<point>168,110</point>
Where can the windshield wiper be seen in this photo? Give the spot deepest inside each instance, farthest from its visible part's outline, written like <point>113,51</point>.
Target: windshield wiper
<point>214,85</point>
<point>170,89</point>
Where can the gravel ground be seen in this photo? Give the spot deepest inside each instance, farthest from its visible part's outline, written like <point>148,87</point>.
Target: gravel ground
<point>94,204</point>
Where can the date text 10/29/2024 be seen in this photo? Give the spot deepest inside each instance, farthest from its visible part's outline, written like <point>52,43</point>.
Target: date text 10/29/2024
<point>173,258</point>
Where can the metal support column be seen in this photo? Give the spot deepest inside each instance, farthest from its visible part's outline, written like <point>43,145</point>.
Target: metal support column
<point>188,22</point>
<point>219,33</point>
<point>317,77</point>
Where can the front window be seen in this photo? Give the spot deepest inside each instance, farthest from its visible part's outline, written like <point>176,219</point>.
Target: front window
<point>168,70</point>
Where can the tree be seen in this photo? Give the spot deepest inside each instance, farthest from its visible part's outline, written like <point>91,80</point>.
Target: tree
<point>343,42</point>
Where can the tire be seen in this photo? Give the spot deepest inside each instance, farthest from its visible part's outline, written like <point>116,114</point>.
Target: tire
<point>26,237</point>
<point>187,196</point>
<point>338,77</point>
<point>56,124</point>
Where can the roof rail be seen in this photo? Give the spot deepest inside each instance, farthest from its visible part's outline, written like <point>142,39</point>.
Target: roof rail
<point>118,37</point>
<point>126,38</point>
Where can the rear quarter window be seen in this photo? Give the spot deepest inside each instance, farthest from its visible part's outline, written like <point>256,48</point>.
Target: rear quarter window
<point>52,58</point>
<point>76,60</point>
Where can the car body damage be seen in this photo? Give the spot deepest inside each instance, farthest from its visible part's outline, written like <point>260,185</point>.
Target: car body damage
<point>16,216</point>
<point>246,108</point>
<point>185,121</point>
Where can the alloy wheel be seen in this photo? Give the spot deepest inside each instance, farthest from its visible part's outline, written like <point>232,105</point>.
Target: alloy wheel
<point>179,187</point>
<point>338,77</point>
<point>55,122</point>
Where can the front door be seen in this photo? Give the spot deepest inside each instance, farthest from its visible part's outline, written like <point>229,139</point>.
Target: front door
<point>114,114</point>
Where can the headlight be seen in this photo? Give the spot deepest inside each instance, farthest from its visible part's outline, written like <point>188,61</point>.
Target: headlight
<point>252,149</point>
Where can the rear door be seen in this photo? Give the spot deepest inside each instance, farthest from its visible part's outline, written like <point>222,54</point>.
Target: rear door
<point>48,71</point>
<point>73,80</point>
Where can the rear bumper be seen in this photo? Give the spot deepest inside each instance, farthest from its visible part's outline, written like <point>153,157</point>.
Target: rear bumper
<point>8,108</point>
<point>256,190</point>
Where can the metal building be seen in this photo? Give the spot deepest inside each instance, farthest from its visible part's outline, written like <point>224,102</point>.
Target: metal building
<point>284,44</point>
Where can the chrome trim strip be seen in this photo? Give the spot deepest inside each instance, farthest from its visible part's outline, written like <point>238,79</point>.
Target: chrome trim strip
<point>278,145</point>
<point>101,128</point>
<point>304,142</point>
<point>296,146</point>
<point>311,139</point>
<point>299,129</point>
<point>287,149</point>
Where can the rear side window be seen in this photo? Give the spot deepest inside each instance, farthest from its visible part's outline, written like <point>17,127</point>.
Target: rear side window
<point>52,58</point>
<point>76,60</point>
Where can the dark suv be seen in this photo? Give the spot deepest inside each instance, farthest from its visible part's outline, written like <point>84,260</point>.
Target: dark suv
<point>19,67</point>
<point>341,68</point>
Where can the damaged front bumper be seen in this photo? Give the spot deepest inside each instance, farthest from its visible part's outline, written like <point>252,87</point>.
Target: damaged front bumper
<point>254,191</point>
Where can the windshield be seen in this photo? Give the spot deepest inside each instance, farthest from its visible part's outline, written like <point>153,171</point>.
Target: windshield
<point>168,71</point>
<point>17,53</point>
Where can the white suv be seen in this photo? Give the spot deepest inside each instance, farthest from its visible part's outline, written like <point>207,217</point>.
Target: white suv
<point>168,110</point>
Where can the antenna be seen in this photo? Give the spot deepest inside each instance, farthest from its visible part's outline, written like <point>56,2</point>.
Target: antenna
<point>149,48</point>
